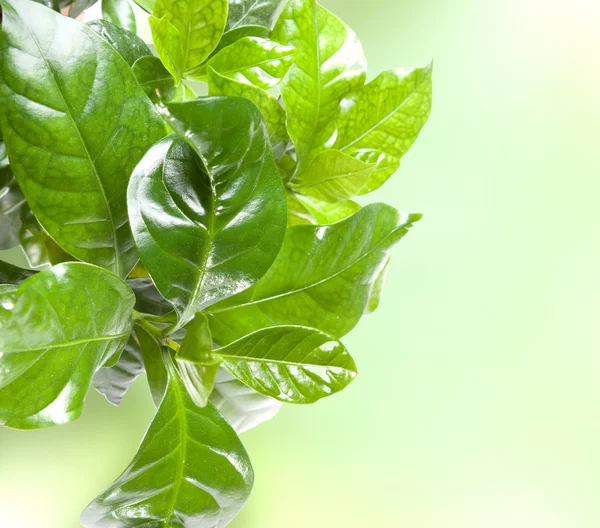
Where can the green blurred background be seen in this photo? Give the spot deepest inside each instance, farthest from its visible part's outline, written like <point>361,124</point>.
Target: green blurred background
<point>478,403</point>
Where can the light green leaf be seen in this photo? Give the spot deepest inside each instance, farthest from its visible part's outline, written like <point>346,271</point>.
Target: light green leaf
<point>242,407</point>
<point>321,279</point>
<point>272,112</point>
<point>255,61</point>
<point>380,122</point>
<point>252,13</point>
<point>329,65</point>
<point>56,329</point>
<point>191,470</point>
<point>327,213</point>
<point>332,177</point>
<point>73,140</point>
<point>169,47</point>
<point>377,289</point>
<point>298,214</point>
<point>292,364</point>
<point>128,44</point>
<point>113,382</point>
<point>214,219</point>
<point>156,372</point>
<point>200,24</point>
<point>119,12</point>
<point>229,37</point>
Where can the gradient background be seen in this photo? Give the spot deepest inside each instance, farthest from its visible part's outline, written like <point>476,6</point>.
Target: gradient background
<point>478,403</point>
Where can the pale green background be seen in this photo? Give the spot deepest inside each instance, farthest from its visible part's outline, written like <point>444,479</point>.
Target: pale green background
<point>478,403</point>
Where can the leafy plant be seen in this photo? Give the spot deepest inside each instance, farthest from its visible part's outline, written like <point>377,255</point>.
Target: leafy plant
<point>210,242</point>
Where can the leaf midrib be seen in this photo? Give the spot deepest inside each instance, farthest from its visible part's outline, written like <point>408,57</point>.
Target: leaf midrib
<point>67,343</point>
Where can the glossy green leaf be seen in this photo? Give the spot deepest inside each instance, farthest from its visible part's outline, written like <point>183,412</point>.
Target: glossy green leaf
<point>242,407</point>
<point>79,6</point>
<point>329,65</point>
<point>259,62</point>
<point>191,470</point>
<point>328,213</point>
<point>321,279</point>
<point>252,13</point>
<point>5,172</point>
<point>156,372</point>
<point>119,12</point>
<point>380,122</point>
<point>10,274</point>
<point>56,329</point>
<point>200,24</point>
<point>147,298</point>
<point>146,5</point>
<point>333,176</point>
<point>128,44</point>
<point>292,364</point>
<point>113,382</point>
<point>270,109</point>
<point>158,83</point>
<point>73,140</point>
<point>225,201</point>
<point>298,214</point>
<point>377,289</point>
<point>229,37</point>
<point>197,345</point>
<point>169,47</point>
<point>12,207</point>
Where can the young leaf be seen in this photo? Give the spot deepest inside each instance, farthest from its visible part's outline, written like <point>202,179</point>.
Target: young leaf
<point>119,12</point>
<point>333,177</point>
<point>272,112</point>
<point>128,44</point>
<point>191,470</point>
<point>226,203</point>
<point>326,213</point>
<point>10,274</point>
<point>200,24</point>
<point>330,64</point>
<point>242,407</point>
<point>167,41</point>
<point>113,382</point>
<point>321,279</point>
<point>380,122</point>
<point>252,13</point>
<point>292,364</point>
<point>56,329</point>
<point>73,137</point>
<point>254,61</point>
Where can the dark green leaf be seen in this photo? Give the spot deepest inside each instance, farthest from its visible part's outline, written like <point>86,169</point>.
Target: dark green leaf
<point>227,205</point>
<point>321,279</point>
<point>56,330</point>
<point>292,364</point>
<point>329,65</point>
<point>119,12</point>
<point>157,375</point>
<point>10,274</point>
<point>191,470</point>
<point>380,122</point>
<point>51,4</point>
<point>113,382</point>
<point>72,140</point>
<point>242,407</point>
<point>200,24</point>
<point>158,83</point>
<point>146,5</point>
<point>128,44</point>
<point>148,298</point>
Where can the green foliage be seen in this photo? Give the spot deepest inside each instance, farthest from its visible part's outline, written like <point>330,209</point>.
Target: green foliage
<point>211,242</point>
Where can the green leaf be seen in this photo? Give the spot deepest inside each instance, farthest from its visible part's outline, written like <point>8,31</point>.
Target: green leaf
<point>146,5</point>
<point>10,274</point>
<point>56,329</point>
<point>191,470</point>
<point>73,139</point>
<point>113,382</point>
<point>167,41</point>
<point>255,61</point>
<point>327,213</point>
<point>292,364</point>
<point>50,4</point>
<point>12,207</point>
<point>330,64</point>
<point>270,109</point>
<point>321,279</point>
<point>252,13</point>
<point>79,6</point>
<point>229,37</point>
<point>380,122</point>
<point>148,298</point>
<point>119,12</point>
<point>156,372</point>
<point>241,406</point>
<point>128,44</point>
<point>377,289</point>
<point>200,24</point>
<point>298,214</point>
<point>226,202</point>
<point>333,177</point>
<point>157,81</point>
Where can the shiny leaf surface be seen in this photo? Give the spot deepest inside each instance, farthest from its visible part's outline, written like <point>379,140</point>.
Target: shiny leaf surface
<point>56,329</point>
<point>252,13</point>
<point>200,24</point>
<point>292,364</point>
<point>156,372</point>
<point>128,44</point>
<point>157,81</point>
<point>119,12</point>
<point>328,213</point>
<point>226,201</point>
<point>147,298</point>
<point>73,140</point>
<point>329,64</point>
<point>12,208</point>
<point>191,470</point>
<point>242,407</point>
<point>321,278</point>
<point>380,122</point>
